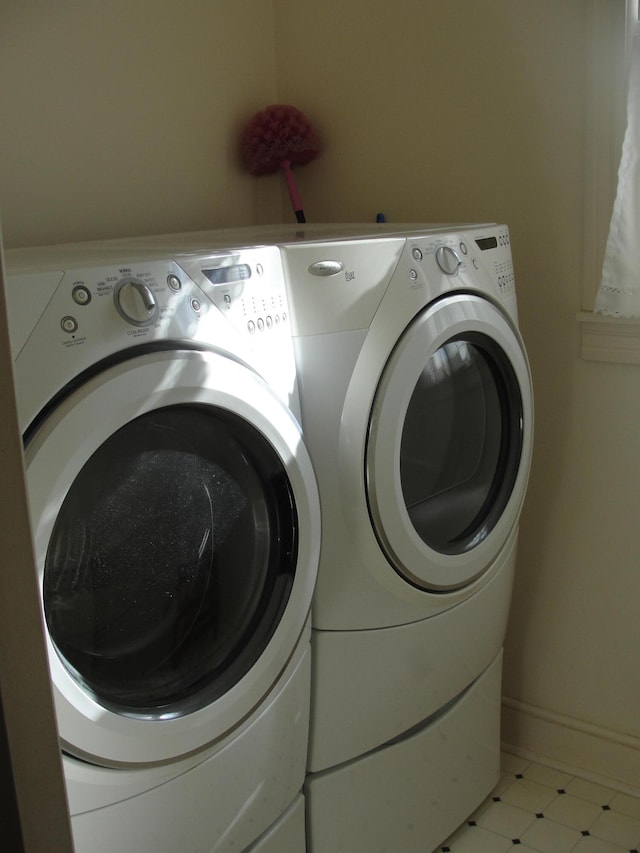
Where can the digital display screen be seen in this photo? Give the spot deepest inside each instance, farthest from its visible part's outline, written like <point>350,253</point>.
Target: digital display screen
<point>225,275</point>
<point>487,243</point>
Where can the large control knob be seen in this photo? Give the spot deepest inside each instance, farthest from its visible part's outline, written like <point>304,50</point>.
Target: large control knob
<point>135,302</point>
<point>447,260</point>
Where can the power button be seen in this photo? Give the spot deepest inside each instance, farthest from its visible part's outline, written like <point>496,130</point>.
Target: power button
<point>81,295</point>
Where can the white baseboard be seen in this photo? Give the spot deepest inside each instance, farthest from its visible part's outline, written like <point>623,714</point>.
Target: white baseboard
<point>582,749</point>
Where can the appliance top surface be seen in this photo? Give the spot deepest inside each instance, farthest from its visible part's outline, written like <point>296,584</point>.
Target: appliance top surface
<point>121,250</point>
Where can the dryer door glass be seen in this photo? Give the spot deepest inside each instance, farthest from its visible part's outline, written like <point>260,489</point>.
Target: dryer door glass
<point>171,561</point>
<point>449,443</point>
<point>461,443</point>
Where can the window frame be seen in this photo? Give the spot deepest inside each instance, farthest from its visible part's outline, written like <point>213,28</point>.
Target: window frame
<point>610,28</point>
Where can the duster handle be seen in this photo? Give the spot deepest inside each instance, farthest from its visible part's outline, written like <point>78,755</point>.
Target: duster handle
<point>294,195</point>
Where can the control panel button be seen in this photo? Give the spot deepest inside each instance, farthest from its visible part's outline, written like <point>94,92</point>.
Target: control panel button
<point>174,283</point>
<point>69,325</point>
<point>447,260</point>
<point>81,295</point>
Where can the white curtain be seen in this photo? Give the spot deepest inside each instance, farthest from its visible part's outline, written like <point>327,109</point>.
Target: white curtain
<point>619,292</point>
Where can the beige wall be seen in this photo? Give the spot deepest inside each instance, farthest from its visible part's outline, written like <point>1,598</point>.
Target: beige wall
<point>473,111</point>
<point>123,117</point>
<point>118,122</point>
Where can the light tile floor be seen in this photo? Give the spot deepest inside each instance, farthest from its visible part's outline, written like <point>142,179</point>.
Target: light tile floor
<point>535,809</point>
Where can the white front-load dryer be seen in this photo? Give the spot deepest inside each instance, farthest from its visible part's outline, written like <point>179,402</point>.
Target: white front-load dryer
<point>176,527</point>
<point>417,410</point>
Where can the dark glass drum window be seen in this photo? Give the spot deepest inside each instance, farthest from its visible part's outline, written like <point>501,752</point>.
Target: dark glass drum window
<point>171,561</point>
<point>461,444</point>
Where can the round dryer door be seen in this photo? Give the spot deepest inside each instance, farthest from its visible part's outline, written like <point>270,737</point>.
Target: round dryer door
<point>449,443</point>
<point>176,530</point>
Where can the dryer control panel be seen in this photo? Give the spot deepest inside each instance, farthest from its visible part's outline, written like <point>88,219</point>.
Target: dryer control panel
<point>464,260</point>
<point>495,249</point>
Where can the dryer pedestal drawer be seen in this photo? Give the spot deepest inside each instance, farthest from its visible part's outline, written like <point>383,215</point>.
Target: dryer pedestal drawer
<point>414,792</point>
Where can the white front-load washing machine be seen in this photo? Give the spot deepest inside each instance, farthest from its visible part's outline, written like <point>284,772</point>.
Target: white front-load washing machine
<point>176,527</point>
<point>417,410</point>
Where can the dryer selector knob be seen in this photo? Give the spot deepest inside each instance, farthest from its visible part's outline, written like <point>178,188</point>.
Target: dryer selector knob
<point>448,260</point>
<point>135,302</point>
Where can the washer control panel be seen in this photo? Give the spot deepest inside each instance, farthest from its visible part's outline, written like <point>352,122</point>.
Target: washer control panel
<point>248,295</point>
<point>158,299</point>
<point>65,320</point>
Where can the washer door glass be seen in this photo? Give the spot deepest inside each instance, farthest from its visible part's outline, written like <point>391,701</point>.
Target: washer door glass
<point>461,443</point>
<point>171,561</point>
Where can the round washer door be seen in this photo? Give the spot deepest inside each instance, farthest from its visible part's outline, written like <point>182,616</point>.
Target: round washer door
<point>449,443</point>
<point>176,527</point>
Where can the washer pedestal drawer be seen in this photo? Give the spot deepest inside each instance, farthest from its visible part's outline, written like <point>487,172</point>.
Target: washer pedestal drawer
<point>287,835</point>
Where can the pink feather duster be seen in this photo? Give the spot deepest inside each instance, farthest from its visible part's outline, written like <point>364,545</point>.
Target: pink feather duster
<point>279,137</point>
